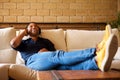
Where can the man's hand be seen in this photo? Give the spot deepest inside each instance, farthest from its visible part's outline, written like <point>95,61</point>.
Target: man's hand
<point>17,40</point>
<point>43,50</point>
<point>26,32</point>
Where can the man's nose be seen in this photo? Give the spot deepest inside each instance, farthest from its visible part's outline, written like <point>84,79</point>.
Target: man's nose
<point>34,27</point>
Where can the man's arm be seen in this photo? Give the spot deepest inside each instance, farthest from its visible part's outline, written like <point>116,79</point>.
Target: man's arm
<point>15,42</point>
<point>50,45</point>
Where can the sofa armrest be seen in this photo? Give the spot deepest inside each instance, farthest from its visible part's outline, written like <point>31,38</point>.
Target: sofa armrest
<point>21,72</point>
<point>4,71</point>
<point>115,64</point>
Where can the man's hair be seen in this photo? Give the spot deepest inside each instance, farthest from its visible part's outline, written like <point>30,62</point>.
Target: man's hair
<point>37,26</point>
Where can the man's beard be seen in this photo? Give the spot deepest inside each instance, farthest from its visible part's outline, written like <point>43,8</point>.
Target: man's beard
<point>34,34</point>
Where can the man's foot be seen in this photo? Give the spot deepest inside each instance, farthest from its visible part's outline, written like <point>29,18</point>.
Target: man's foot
<point>108,32</point>
<point>106,54</point>
<point>101,47</point>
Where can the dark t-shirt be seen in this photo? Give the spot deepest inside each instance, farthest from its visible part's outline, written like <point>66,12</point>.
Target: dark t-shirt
<point>29,47</point>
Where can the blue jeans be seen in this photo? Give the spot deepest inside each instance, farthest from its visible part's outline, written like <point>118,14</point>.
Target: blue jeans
<point>61,60</point>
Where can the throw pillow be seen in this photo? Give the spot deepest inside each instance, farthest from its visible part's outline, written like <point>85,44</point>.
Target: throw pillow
<point>6,34</point>
<point>56,36</point>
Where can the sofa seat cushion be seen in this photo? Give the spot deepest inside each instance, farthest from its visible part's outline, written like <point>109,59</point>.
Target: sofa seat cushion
<point>21,72</point>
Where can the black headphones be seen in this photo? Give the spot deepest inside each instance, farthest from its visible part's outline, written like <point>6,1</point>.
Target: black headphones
<point>39,30</point>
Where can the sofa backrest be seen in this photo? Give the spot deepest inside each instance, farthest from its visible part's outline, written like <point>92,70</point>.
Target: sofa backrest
<point>81,39</point>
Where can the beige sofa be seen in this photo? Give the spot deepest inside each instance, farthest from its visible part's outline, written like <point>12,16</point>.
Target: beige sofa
<point>12,65</point>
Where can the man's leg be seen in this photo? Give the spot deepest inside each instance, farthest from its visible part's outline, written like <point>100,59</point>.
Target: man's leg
<point>51,60</point>
<point>106,53</point>
<point>72,57</point>
<point>89,64</point>
<point>41,61</point>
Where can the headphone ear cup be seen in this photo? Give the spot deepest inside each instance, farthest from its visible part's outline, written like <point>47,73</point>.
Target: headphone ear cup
<point>39,30</point>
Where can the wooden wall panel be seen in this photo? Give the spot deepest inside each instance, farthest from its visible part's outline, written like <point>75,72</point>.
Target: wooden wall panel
<point>82,26</point>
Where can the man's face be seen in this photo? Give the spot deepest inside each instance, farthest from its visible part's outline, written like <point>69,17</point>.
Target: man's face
<point>33,29</point>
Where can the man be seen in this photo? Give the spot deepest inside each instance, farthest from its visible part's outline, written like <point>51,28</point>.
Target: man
<point>39,53</point>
